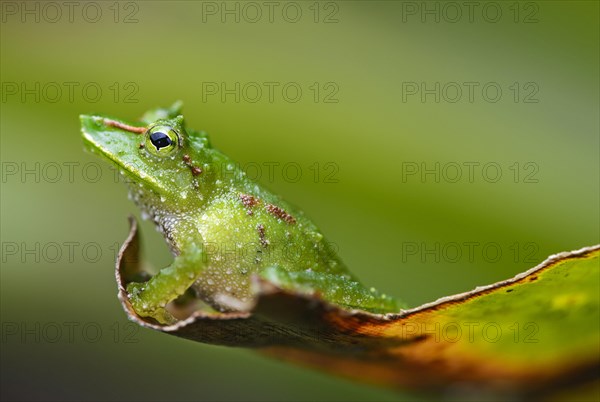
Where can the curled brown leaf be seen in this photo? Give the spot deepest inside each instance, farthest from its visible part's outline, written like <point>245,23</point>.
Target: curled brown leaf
<point>387,350</point>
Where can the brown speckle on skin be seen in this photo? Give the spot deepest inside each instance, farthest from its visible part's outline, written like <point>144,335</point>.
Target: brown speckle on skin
<point>249,202</point>
<point>280,213</point>
<point>188,161</point>
<point>142,145</point>
<point>261,234</point>
<point>123,126</point>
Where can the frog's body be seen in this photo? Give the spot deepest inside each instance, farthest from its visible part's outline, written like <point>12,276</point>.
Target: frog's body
<point>222,227</point>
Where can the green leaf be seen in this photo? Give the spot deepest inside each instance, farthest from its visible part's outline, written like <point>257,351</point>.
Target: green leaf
<point>532,335</point>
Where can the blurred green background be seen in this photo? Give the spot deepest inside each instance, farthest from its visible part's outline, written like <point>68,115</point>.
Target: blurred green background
<point>356,121</point>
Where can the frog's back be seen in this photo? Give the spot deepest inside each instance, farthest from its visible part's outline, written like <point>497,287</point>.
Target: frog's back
<point>246,230</point>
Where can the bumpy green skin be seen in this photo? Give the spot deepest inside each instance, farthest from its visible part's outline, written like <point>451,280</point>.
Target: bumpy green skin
<point>221,226</point>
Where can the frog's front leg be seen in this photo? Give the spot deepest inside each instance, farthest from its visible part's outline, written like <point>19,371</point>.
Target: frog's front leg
<point>149,299</point>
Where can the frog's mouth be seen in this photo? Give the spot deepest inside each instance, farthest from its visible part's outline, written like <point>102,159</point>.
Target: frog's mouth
<point>100,137</point>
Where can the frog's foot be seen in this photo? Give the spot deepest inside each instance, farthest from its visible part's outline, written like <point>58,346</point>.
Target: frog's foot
<point>150,298</point>
<point>144,307</point>
<point>335,288</point>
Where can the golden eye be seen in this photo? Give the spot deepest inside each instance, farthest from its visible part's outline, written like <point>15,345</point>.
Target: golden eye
<point>161,140</point>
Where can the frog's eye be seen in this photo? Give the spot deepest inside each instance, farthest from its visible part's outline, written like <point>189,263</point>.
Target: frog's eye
<point>161,140</point>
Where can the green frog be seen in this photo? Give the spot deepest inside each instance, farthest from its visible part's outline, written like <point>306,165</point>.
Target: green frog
<point>221,227</point>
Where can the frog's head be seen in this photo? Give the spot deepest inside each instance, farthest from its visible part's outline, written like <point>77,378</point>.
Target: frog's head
<point>159,159</point>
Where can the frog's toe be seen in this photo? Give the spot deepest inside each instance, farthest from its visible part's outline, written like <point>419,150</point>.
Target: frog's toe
<point>163,316</point>
<point>144,309</point>
<point>135,288</point>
